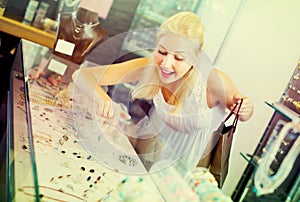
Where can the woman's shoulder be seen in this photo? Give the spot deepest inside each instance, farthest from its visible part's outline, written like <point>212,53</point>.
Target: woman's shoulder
<point>215,77</point>
<point>206,85</point>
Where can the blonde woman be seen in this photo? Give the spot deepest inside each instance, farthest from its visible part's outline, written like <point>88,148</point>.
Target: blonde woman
<point>189,95</point>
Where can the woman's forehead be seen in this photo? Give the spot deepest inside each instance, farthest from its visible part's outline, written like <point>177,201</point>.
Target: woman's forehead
<point>173,43</point>
<point>178,44</point>
<point>172,50</point>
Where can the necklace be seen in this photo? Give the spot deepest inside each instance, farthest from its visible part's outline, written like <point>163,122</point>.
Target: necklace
<point>71,3</point>
<point>267,180</point>
<point>83,29</point>
<point>50,189</point>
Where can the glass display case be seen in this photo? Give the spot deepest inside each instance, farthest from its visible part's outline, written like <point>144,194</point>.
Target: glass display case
<point>51,127</point>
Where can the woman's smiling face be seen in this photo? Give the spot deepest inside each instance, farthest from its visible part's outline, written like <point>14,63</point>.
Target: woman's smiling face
<point>171,64</point>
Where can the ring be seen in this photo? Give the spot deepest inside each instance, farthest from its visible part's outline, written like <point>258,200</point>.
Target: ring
<point>58,78</point>
<point>35,68</point>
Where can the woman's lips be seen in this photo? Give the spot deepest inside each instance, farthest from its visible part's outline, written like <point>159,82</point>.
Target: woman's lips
<point>166,73</point>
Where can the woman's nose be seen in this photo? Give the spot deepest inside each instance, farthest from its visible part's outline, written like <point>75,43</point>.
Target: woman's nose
<point>167,61</point>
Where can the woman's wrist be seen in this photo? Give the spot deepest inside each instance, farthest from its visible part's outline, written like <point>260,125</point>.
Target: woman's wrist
<point>246,110</point>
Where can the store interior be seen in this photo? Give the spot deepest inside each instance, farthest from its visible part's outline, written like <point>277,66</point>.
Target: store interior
<point>256,43</point>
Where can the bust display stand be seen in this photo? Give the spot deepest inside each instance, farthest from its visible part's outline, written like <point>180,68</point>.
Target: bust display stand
<point>77,35</point>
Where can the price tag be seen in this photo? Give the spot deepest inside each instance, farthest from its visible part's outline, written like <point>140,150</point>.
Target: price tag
<point>57,67</point>
<point>64,47</point>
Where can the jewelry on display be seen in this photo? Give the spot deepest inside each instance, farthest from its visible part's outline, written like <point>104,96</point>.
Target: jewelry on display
<point>274,135</point>
<point>19,76</point>
<point>39,94</point>
<point>296,105</point>
<point>75,155</point>
<point>22,138</point>
<point>41,83</point>
<point>48,109</point>
<point>44,196</point>
<point>106,196</point>
<point>53,100</point>
<point>81,32</point>
<point>267,180</point>
<point>42,138</point>
<point>296,76</point>
<point>21,108</point>
<point>294,102</point>
<point>81,28</point>
<point>294,89</point>
<point>25,148</point>
<point>39,88</point>
<point>44,101</point>
<point>127,160</point>
<point>22,89</point>
<point>64,139</point>
<point>22,96</point>
<point>71,3</point>
<point>87,181</point>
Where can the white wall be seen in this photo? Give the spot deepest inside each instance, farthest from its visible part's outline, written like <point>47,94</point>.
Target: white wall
<point>260,55</point>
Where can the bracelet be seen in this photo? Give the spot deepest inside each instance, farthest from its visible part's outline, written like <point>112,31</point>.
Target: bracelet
<point>127,160</point>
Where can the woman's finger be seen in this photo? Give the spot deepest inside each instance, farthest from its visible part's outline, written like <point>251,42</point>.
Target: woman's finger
<point>125,115</point>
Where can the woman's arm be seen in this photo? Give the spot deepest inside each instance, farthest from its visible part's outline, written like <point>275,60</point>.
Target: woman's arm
<point>89,80</point>
<point>221,90</point>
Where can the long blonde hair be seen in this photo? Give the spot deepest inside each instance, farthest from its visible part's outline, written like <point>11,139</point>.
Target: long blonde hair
<point>190,26</point>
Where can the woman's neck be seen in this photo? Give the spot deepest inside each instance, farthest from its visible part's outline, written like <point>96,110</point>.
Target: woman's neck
<point>168,95</point>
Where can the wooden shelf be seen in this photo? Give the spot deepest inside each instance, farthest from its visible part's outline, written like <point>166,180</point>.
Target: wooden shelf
<point>27,32</point>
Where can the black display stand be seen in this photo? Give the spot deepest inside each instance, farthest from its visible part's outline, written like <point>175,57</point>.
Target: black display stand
<point>287,109</point>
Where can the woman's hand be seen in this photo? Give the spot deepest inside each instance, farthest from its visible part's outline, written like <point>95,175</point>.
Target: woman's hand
<point>246,109</point>
<point>111,111</point>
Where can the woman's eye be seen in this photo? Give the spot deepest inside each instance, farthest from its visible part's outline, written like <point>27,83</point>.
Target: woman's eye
<point>179,58</point>
<point>162,52</point>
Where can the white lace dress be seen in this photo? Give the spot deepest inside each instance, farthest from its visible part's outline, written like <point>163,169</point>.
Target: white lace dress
<point>182,136</point>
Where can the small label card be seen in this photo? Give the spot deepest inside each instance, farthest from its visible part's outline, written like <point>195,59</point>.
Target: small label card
<point>64,47</point>
<point>57,67</point>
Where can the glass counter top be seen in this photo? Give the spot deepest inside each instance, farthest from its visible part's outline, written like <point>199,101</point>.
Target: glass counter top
<point>57,151</point>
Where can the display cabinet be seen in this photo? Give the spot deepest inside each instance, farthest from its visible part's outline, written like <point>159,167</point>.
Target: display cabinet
<point>56,150</point>
<point>272,173</point>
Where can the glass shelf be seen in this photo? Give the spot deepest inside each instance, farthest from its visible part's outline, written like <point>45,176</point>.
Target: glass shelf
<point>285,111</point>
<point>250,159</point>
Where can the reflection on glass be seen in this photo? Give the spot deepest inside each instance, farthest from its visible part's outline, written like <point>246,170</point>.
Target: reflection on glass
<point>150,14</point>
<point>75,158</point>
<point>2,6</point>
